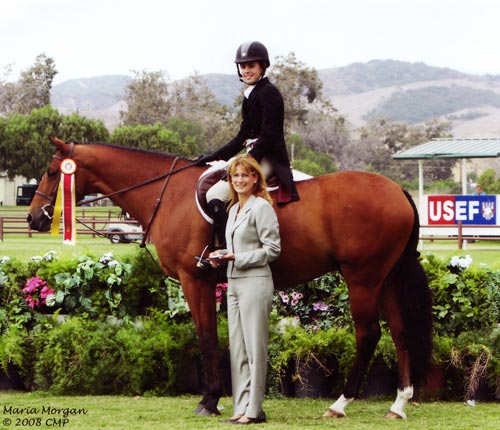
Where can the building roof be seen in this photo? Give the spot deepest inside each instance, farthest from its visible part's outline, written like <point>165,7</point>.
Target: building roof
<point>453,148</point>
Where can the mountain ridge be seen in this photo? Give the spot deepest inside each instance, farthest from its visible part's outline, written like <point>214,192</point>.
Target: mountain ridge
<point>403,91</point>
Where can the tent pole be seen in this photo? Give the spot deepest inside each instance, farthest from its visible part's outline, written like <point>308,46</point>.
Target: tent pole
<point>421,185</point>
<point>464,176</point>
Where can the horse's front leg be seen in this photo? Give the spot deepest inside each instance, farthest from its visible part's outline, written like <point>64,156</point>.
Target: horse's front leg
<point>200,295</point>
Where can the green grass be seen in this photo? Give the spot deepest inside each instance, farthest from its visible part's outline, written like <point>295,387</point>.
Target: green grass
<point>23,248</point>
<point>483,253</point>
<point>176,413</point>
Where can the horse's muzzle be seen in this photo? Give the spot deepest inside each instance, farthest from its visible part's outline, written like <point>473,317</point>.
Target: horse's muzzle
<point>40,219</point>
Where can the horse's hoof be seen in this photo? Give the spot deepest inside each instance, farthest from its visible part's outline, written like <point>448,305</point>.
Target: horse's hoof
<point>330,413</point>
<point>393,416</point>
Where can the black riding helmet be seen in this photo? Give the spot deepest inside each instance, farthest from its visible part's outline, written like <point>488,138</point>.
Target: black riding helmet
<point>252,51</point>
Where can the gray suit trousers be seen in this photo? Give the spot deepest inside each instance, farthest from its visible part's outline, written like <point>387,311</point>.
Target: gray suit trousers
<point>249,302</point>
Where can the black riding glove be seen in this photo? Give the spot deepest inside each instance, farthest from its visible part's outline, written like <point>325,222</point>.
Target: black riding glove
<point>203,159</point>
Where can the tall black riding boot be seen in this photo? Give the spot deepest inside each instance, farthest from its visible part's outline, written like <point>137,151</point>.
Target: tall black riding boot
<point>217,239</point>
<point>217,211</point>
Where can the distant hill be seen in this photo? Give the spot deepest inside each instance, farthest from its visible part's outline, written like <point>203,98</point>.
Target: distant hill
<point>403,91</point>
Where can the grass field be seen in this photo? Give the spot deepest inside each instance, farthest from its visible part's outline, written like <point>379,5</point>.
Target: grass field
<point>176,413</point>
<point>23,248</point>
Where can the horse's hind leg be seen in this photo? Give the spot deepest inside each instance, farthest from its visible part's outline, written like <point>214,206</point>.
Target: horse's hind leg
<point>365,315</point>
<point>406,305</point>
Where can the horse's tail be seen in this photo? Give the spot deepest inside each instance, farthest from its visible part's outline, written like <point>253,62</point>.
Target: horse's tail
<point>414,297</point>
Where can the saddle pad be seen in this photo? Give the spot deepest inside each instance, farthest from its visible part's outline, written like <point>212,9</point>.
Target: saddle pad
<point>215,173</point>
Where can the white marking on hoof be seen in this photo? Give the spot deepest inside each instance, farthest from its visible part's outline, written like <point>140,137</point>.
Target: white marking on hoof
<point>398,407</point>
<point>337,410</point>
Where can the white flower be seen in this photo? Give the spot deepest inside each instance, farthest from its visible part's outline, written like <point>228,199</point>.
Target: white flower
<point>51,255</point>
<point>462,262</point>
<point>106,258</point>
<point>4,259</point>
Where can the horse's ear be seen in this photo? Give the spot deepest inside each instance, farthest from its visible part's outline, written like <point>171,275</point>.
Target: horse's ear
<point>58,142</point>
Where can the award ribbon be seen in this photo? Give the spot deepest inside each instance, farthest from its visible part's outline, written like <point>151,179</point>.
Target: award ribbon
<point>66,203</point>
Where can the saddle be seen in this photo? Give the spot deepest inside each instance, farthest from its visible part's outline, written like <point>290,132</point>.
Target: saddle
<point>217,172</point>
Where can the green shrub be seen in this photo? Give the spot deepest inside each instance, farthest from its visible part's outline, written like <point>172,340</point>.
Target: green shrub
<point>80,356</point>
<point>464,298</point>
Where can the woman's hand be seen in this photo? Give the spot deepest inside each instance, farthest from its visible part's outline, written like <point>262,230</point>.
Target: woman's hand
<point>218,256</point>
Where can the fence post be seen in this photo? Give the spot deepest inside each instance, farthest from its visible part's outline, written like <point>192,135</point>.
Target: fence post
<point>93,225</point>
<point>1,228</point>
<point>460,237</point>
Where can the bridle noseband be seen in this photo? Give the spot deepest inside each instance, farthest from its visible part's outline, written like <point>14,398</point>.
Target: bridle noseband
<point>52,197</point>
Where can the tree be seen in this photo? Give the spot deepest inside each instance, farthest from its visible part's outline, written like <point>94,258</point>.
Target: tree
<point>306,160</point>
<point>382,138</point>
<point>300,87</point>
<point>150,137</point>
<point>192,101</point>
<point>25,146</point>
<point>147,100</point>
<point>32,91</point>
<point>328,134</point>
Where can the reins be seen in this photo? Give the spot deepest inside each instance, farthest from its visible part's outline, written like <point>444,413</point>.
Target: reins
<point>158,200</point>
<point>140,184</point>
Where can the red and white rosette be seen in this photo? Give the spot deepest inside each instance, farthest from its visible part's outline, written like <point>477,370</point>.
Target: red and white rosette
<point>67,190</point>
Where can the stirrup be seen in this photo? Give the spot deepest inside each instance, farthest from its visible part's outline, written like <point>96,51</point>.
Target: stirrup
<point>202,262</point>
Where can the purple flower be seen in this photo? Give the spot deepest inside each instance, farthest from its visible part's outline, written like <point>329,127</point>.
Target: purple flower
<point>320,306</point>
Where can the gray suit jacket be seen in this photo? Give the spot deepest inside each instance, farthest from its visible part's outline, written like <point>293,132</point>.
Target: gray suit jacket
<point>253,237</point>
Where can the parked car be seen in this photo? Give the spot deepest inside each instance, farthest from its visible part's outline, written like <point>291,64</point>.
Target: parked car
<point>25,194</point>
<point>122,232</point>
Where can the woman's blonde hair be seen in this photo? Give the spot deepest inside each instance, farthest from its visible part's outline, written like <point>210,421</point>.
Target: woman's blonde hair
<point>250,165</point>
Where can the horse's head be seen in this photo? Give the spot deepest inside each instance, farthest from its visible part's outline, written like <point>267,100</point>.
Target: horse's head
<point>41,208</point>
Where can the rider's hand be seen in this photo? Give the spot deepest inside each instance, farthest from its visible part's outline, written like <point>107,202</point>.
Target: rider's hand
<point>203,159</point>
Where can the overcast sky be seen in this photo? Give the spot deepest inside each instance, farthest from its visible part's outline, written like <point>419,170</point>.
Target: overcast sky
<point>88,38</point>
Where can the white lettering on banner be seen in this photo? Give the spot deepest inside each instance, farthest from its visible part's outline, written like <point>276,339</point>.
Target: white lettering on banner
<point>449,213</point>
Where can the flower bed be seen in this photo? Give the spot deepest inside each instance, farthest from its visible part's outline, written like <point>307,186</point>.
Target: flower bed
<point>125,319</point>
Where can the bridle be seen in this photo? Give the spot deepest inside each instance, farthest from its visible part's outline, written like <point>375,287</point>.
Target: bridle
<point>52,197</point>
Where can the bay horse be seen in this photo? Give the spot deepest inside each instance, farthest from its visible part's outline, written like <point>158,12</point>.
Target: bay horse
<point>362,224</point>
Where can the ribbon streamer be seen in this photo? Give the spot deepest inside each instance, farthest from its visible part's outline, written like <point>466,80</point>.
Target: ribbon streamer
<point>69,217</point>
<point>66,203</point>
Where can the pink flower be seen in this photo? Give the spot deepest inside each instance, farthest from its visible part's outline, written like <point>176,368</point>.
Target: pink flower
<point>220,289</point>
<point>36,291</point>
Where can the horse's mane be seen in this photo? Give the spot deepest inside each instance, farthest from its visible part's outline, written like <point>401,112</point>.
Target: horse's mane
<point>138,150</point>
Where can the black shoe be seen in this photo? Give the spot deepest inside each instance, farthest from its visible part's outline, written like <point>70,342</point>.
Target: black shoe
<point>258,420</point>
<point>230,420</point>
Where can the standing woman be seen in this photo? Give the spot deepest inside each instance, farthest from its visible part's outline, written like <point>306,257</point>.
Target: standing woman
<point>253,241</point>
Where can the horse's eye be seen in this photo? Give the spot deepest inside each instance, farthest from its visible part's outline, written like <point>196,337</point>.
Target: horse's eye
<point>51,172</point>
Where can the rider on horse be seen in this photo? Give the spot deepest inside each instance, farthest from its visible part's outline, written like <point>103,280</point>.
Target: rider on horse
<point>261,133</point>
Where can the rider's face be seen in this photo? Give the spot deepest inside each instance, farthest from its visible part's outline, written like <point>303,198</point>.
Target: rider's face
<point>251,72</point>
